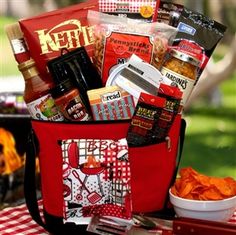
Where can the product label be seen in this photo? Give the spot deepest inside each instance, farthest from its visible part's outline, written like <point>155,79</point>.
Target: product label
<point>143,129</point>
<point>185,84</point>
<point>69,34</point>
<point>119,47</point>
<point>18,45</point>
<point>44,108</point>
<point>111,103</point>
<point>182,27</point>
<point>146,11</point>
<point>76,111</point>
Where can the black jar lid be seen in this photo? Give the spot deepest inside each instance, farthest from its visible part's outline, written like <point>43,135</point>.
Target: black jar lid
<point>62,88</point>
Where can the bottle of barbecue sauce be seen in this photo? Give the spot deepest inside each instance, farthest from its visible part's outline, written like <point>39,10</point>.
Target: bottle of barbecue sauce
<point>69,102</point>
<point>37,95</point>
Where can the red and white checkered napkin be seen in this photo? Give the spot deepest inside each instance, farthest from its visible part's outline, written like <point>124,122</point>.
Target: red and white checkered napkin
<point>233,219</point>
<point>17,221</point>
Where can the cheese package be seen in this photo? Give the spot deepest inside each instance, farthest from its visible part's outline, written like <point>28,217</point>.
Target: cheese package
<point>111,103</point>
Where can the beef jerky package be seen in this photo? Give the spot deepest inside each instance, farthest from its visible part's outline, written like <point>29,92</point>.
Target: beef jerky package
<point>198,35</point>
<point>46,34</point>
<point>143,129</point>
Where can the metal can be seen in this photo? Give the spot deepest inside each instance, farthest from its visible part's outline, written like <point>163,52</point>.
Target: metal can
<point>182,69</point>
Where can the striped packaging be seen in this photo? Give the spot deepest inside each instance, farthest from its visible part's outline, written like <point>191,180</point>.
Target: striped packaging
<point>111,103</point>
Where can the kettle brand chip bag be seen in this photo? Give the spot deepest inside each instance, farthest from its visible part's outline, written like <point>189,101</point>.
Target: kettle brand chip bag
<point>48,33</point>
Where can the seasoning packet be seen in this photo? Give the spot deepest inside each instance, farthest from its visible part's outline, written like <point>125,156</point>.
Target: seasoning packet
<point>111,103</point>
<point>143,129</point>
<point>117,39</point>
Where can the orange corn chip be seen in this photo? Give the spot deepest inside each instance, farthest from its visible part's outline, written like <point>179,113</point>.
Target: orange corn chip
<point>211,194</point>
<point>193,185</point>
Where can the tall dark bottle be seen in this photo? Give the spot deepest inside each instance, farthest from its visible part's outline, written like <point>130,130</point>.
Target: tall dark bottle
<point>37,95</point>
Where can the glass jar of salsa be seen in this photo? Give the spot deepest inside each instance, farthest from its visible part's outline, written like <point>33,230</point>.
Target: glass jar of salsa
<point>182,69</point>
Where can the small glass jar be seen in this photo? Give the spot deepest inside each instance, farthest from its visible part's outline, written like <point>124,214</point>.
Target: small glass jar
<point>182,69</point>
<point>67,99</point>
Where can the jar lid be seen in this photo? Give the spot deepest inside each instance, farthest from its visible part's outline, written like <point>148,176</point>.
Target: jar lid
<point>27,64</point>
<point>185,57</point>
<point>62,88</point>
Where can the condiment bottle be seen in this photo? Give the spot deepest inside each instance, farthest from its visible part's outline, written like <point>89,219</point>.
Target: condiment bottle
<point>182,69</point>
<point>37,95</point>
<point>69,102</point>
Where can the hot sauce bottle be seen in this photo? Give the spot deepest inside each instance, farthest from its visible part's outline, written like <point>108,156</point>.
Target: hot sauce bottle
<point>69,102</point>
<point>37,95</point>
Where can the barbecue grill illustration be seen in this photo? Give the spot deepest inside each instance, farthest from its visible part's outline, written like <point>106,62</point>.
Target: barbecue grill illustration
<point>93,197</point>
<point>91,167</point>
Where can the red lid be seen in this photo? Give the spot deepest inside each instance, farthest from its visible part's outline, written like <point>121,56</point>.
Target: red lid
<point>172,91</point>
<point>152,100</point>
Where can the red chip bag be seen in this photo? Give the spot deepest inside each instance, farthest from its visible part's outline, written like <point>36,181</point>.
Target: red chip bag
<point>48,33</point>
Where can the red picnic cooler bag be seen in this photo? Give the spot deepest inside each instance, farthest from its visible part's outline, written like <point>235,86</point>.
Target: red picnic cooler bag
<point>150,171</point>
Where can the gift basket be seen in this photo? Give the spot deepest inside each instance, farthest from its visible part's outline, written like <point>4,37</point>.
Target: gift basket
<point>106,84</point>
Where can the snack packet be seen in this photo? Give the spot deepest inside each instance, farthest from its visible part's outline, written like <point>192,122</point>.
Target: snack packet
<point>116,39</point>
<point>172,107</point>
<point>111,103</point>
<point>198,35</point>
<point>48,33</point>
<point>138,9</point>
<point>143,129</point>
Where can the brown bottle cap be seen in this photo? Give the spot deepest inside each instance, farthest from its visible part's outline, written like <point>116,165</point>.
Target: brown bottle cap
<point>27,64</point>
<point>28,69</point>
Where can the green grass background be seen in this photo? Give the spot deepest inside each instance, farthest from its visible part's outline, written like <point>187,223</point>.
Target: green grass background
<point>210,141</point>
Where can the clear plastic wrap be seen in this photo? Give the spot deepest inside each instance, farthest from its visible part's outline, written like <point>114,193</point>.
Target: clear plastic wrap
<point>117,39</point>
